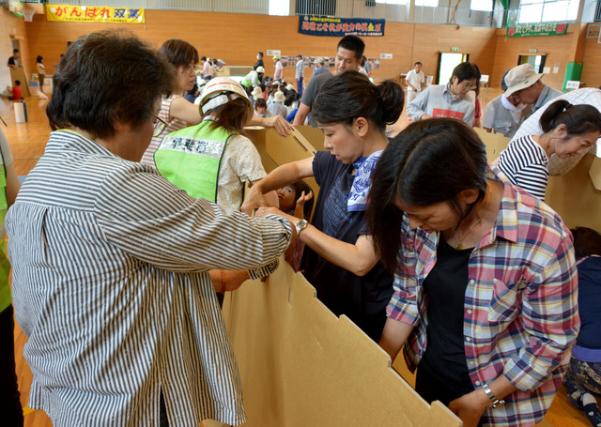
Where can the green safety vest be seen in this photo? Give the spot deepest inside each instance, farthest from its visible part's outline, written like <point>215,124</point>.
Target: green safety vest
<point>5,294</point>
<point>190,159</point>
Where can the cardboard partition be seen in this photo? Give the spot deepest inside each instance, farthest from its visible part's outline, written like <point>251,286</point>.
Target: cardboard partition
<point>276,150</point>
<point>494,142</point>
<point>303,366</point>
<point>314,136</point>
<point>574,195</point>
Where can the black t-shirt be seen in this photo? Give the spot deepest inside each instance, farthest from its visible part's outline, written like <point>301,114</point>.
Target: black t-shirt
<point>445,289</point>
<point>258,64</point>
<point>362,299</point>
<point>12,61</point>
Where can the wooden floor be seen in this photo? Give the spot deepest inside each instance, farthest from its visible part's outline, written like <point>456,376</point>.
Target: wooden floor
<point>27,142</point>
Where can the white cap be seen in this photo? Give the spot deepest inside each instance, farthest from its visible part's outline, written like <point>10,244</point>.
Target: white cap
<point>279,96</point>
<point>260,69</point>
<point>219,91</point>
<point>520,77</point>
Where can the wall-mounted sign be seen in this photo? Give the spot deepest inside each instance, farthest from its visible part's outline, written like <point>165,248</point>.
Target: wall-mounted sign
<point>96,14</point>
<point>540,29</point>
<point>274,52</point>
<point>455,49</point>
<point>385,55</point>
<point>337,27</point>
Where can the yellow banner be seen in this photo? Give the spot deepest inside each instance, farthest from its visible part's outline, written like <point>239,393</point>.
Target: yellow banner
<point>96,14</point>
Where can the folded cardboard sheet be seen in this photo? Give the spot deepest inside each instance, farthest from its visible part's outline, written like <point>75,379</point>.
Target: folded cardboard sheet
<point>303,366</point>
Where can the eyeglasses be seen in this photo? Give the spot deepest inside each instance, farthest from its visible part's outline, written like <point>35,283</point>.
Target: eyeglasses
<point>159,126</point>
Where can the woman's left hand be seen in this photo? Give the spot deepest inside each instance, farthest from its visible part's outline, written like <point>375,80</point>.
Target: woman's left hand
<point>470,407</point>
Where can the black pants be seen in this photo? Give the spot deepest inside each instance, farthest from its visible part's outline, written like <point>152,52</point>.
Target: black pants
<point>12,415</point>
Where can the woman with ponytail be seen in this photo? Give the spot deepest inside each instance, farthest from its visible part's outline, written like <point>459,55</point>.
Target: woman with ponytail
<point>568,130</point>
<point>340,260</point>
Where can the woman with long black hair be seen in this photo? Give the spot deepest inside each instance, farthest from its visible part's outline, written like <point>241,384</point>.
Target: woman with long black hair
<point>484,299</point>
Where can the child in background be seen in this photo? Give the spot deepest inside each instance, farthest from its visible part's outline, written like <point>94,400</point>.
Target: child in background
<point>41,69</point>
<point>16,91</point>
<point>214,160</point>
<point>277,107</point>
<point>296,200</point>
<point>256,93</point>
<point>261,108</point>
<point>583,378</point>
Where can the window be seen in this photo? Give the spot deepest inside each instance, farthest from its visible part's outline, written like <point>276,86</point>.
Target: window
<point>532,11</point>
<point>426,3</point>
<point>482,5</point>
<point>278,7</point>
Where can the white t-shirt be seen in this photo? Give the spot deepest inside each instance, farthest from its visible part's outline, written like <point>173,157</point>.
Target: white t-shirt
<point>279,70</point>
<point>241,163</point>
<point>41,68</point>
<point>418,80</point>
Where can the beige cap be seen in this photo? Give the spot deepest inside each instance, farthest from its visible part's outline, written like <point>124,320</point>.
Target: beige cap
<point>519,78</point>
<point>257,92</point>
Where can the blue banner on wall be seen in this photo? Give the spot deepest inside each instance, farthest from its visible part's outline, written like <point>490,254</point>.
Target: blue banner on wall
<point>337,27</point>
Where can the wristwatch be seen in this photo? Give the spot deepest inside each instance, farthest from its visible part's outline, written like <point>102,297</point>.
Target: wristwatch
<point>496,403</point>
<point>300,226</point>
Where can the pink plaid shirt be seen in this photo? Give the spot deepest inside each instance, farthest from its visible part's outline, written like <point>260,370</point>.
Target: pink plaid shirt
<point>520,311</point>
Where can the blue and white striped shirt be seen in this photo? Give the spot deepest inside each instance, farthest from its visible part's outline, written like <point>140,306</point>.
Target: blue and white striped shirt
<point>110,284</point>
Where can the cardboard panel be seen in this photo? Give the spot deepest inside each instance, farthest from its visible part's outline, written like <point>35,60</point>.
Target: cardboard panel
<point>303,366</point>
<point>495,143</point>
<point>313,135</point>
<point>276,150</point>
<point>574,196</point>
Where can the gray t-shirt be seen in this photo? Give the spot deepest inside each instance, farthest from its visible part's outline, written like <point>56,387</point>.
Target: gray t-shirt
<point>311,91</point>
<point>499,118</point>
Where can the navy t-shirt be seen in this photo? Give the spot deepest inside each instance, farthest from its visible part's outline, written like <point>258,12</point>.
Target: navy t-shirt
<point>362,299</point>
<point>589,302</point>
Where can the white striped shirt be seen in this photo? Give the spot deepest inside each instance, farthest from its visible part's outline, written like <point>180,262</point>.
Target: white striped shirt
<point>110,283</point>
<point>524,163</point>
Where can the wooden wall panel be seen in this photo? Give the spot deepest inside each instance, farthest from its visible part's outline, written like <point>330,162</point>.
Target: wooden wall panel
<point>237,37</point>
<point>559,49</point>
<point>429,40</point>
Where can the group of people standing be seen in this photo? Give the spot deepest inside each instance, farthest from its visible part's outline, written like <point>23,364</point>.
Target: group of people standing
<point>133,220</point>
